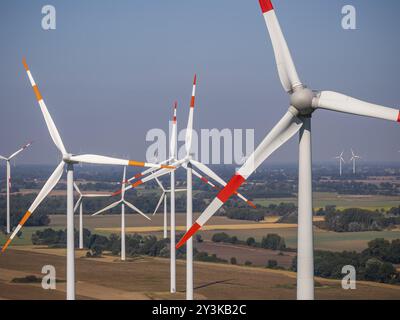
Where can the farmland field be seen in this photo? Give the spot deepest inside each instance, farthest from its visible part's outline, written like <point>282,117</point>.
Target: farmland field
<point>321,199</point>
<point>148,278</point>
<point>323,240</point>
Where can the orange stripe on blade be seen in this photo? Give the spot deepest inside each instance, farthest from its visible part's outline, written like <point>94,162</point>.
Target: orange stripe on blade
<point>251,204</point>
<point>37,93</point>
<point>25,217</point>
<point>6,245</point>
<point>138,175</point>
<point>164,166</point>
<point>192,102</point>
<point>137,183</point>
<point>135,163</point>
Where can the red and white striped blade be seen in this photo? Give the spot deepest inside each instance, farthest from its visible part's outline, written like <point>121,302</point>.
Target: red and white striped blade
<point>130,205</point>
<point>286,128</point>
<point>47,117</point>
<point>112,205</point>
<point>96,159</point>
<point>149,170</point>
<point>172,146</point>
<point>189,129</point>
<point>49,185</point>
<point>152,176</point>
<point>334,101</point>
<point>284,62</point>
<point>207,171</point>
<point>19,150</point>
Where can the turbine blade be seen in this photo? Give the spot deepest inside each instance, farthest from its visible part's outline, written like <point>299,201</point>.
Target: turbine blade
<point>47,117</point>
<point>160,184</point>
<point>77,204</point>
<point>286,128</point>
<point>207,171</point>
<point>189,129</point>
<point>19,150</point>
<point>48,186</point>
<point>149,170</point>
<point>152,176</point>
<point>334,101</point>
<point>172,150</point>
<point>284,62</point>
<point>96,159</point>
<point>77,188</point>
<point>112,205</point>
<point>159,203</point>
<point>130,205</point>
<point>123,184</point>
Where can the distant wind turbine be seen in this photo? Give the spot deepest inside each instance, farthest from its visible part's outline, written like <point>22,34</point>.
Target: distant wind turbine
<point>8,182</point>
<point>354,158</point>
<point>341,160</point>
<point>68,160</point>
<point>79,204</point>
<point>122,202</point>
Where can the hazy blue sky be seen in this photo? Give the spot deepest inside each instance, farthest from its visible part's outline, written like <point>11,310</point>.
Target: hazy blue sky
<point>111,70</point>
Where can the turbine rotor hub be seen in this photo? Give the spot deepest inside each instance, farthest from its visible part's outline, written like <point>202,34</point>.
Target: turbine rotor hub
<point>302,99</point>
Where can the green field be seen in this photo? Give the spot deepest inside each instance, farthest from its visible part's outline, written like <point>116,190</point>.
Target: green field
<point>321,199</point>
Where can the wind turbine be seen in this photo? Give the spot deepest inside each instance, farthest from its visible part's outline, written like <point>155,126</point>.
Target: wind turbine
<point>122,202</point>
<point>303,102</point>
<point>79,203</point>
<point>69,160</point>
<point>354,158</point>
<point>341,160</point>
<point>187,162</point>
<point>162,199</point>
<point>8,182</point>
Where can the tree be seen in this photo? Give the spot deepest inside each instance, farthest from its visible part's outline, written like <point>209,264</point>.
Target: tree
<point>273,241</point>
<point>251,241</point>
<point>220,237</point>
<point>233,260</point>
<point>272,264</point>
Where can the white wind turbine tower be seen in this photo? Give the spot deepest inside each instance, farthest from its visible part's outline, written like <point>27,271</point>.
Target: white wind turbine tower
<point>187,162</point>
<point>303,102</point>
<point>69,160</point>
<point>354,158</point>
<point>163,199</point>
<point>79,203</point>
<point>122,202</point>
<point>8,182</point>
<point>341,160</point>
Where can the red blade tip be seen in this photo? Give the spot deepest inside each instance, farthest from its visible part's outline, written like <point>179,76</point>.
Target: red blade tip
<point>266,5</point>
<point>195,79</point>
<point>116,193</point>
<point>193,229</point>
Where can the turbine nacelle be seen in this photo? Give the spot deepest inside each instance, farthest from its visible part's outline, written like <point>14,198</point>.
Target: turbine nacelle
<point>302,99</point>
<point>67,158</point>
